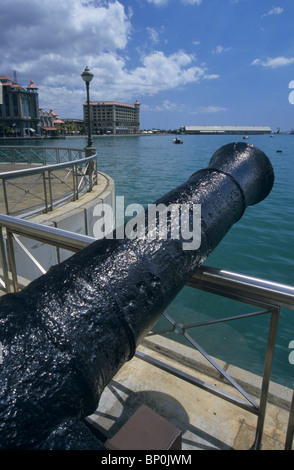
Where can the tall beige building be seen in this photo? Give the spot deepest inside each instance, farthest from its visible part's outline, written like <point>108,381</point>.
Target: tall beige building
<point>113,117</point>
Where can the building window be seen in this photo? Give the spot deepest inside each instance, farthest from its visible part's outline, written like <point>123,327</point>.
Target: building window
<point>35,106</point>
<point>7,107</point>
<point>15,105</point>
<point>24,108</point>
<point>29,106</point>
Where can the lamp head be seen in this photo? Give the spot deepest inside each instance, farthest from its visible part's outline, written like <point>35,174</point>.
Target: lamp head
<point>87,75</point>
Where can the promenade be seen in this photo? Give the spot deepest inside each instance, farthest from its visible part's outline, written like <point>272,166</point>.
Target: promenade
<point>206,421</point>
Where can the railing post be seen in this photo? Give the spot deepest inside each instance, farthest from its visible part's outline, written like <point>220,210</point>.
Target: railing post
<point>290,430</point>
<point>96,171</point>
<point>45,190</point>
<point>50,190</point>
<point>11,258</point>
<point>4,263</point>
<point>266,376</point>
<point>90,171</point>
<point>5,196</point>
<point>75,186</point>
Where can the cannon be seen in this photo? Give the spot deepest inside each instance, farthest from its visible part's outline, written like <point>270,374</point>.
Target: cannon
<point>66,334</point>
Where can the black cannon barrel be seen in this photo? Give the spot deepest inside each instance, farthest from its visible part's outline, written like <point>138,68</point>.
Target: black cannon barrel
<point>67,334</point>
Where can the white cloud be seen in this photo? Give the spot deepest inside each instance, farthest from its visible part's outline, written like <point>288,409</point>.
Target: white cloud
<point>210,109</point>
<point>158,3</point>
<point>167,105</point>
<point>52,43</point>
<point>52,25</point>
<point>153,34</point>
<point>192,2</point>
<point>162,3</point>
<point>220,49</point>
<point>273,11</point>
<point>52,33</point>
<point>274,63</point>
<point>161,72</point>
<point>55,97</point>
<point>211,76</point>
<point>113,80</point>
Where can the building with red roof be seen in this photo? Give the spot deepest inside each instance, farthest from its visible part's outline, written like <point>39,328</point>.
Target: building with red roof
<point>113,117</point>
<point>49,122</point>
<point>19,108</point>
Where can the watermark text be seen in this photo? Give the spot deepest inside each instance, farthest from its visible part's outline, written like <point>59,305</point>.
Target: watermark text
<point>291,94</point>
<point>291,355</point>
<point>164,459</point>
<point>158,222</point>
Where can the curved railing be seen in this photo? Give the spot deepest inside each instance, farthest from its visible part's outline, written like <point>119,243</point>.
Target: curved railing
<point>39,155</point>
<point>54,177</point>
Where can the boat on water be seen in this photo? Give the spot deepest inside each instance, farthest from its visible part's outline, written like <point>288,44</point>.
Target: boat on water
<point>177,141</point>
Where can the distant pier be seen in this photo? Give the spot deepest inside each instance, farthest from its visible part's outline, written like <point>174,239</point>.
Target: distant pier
<point>221,130</point>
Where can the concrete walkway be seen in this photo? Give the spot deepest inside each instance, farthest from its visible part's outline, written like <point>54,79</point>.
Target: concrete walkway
<point>206,421</point>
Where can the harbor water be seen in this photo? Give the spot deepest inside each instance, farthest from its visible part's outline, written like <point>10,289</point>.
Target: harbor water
<point>260,244</point>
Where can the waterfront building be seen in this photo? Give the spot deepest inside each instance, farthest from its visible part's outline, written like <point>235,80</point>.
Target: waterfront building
<point>19,108</point>
<point>50,122</point>
<point>74,126</point>
<point>46,119</point>
<point>225,130</point>
<point>112,117</point>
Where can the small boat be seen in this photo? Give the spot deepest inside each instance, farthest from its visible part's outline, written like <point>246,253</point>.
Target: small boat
<point>177,141</point>
<point>245,137</point>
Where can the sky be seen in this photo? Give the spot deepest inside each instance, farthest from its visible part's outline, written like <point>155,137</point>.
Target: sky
<point>188,62</point>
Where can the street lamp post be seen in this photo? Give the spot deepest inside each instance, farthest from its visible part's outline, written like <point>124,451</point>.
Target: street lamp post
<point>87,77</point>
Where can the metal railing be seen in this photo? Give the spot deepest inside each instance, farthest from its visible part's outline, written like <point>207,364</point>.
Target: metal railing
<point>39,155</point>
<point>267,296</point>
<point>65,175</point>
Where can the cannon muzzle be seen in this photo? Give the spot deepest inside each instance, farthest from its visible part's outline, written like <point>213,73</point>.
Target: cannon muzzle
<point>67,334</point>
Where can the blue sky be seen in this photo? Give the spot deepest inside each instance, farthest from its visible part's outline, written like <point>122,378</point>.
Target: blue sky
<point>188,62</point>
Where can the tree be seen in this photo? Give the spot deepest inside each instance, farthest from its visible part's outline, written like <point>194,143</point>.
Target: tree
<point>5,129</point>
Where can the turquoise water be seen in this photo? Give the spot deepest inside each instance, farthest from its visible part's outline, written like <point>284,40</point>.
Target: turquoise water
<point>260,244</point>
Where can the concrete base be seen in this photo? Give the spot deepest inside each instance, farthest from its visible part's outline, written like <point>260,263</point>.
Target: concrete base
<point>206,421</point>
<point>146,430</point>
